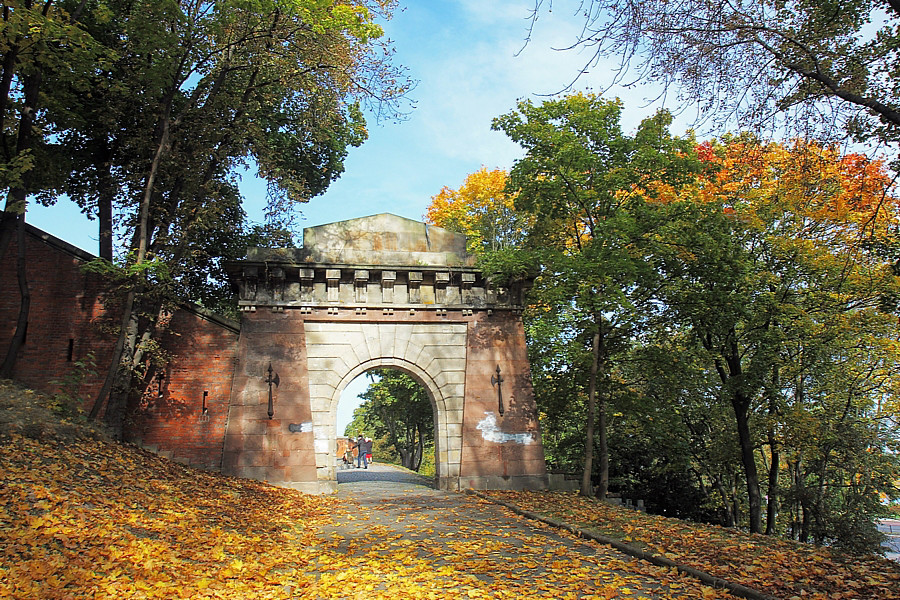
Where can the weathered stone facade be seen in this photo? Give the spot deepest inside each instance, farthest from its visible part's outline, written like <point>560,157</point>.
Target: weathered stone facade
<point>380,291</point>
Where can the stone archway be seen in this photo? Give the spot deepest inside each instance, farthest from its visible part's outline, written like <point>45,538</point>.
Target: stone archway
<point>439,406</point>
<point>379,291</point>
<point>433,354</point>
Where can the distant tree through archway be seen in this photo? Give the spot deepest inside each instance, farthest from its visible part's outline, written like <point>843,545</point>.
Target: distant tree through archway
<point>397,412</point>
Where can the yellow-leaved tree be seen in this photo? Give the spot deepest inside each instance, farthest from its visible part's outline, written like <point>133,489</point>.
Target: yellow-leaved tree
<point>481,209</point>
<point>781,272</point>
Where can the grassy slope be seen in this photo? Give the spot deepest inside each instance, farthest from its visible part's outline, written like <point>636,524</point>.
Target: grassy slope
<point>778,567</point>
<point>82,517</point>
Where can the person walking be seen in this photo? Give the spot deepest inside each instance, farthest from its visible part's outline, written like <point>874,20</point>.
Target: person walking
<point>360,448</point>
<point>368,446</point>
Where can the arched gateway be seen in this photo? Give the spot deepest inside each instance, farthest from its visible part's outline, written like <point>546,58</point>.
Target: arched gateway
<point>380,291</point>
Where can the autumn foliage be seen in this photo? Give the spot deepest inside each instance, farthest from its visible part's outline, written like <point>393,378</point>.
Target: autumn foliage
<point>86,518</point>
<point>81,517</point>
<point>728,310</point>
<point>780,568</point>
<point>482,209</point>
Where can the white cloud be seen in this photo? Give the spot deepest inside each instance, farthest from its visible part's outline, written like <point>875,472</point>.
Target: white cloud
<point>502,13</point>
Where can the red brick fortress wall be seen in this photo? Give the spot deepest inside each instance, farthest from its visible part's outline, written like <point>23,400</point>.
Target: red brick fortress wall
<point>67,319</point>
<point>319,327</point>
<point>69,322</point>
<point>182,414</point>
<point>278,449</point>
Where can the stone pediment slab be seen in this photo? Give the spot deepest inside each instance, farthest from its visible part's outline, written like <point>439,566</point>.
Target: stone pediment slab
<point>380,262</point>
<point>382,239</point>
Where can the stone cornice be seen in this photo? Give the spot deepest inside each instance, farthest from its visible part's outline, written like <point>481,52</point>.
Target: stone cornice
<point>286,283</point>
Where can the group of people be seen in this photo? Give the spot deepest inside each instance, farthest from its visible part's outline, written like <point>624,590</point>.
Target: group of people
<point>363,447</point>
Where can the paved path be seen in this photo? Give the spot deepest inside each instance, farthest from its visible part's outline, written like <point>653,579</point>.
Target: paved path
<point>891,527</point>
<point>402,529</point>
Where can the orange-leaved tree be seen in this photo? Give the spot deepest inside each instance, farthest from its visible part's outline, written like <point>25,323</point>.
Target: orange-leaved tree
<point>777,262</point>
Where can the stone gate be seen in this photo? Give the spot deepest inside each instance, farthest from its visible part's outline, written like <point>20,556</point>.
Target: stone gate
<point>380,291</point>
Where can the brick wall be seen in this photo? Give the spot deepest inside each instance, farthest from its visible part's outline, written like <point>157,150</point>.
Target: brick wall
<point>68,321</point>
<point>500,450</point>
<point>182,414</point>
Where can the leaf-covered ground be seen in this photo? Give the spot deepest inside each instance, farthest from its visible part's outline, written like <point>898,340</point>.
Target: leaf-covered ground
<point>419,542</point>
<point>81,517</point>
<point>777,567</point>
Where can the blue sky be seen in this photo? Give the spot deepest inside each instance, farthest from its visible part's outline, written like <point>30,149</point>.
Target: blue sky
<point>472,65</point>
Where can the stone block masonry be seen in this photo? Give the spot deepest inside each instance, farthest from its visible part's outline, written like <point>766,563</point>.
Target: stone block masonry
<point>375,292</point>
<point>330,348</point>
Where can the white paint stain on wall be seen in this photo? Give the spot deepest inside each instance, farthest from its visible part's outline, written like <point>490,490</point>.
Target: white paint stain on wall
<point>491,432</point>
<point>300,427</point>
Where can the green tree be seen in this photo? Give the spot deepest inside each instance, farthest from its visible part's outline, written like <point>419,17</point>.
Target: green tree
<point>397,408</point>
<point>560,388</point>
<point>583,181</point>
<point>769,268</point>
<point>688,463</point>
<point>35,39</point>
<point>217,95</point>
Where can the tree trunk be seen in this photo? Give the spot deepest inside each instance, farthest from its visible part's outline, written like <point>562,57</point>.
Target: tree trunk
<point>117,385</point>
<point>116,361</point>
<point>18,339</point>
<point>603,488</point>
<point>420,448</point>
<point>818,508</point>
<point>123,377</point>
<point>735,508</point>
<point>803,498</point>
<point>773,492</point>
<point>728,518</point>
<point>804,524</point>
<point>105,195</point>
<point>775,464</point>
<point>586,479</point>
<point>741,414</point>
<point>128,328</point>
<point>7,230</point>
<point>740,403</point>
<point>14,216</point>
<point>587,488</point>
